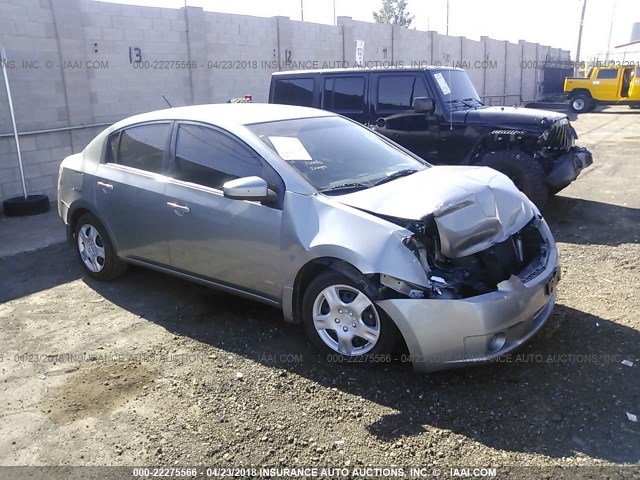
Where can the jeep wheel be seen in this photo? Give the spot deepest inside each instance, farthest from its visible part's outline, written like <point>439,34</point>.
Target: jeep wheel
<point>581,103</point>
<point>523,170</point>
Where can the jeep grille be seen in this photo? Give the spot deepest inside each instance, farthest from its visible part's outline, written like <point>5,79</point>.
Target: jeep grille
<point>562,136</point>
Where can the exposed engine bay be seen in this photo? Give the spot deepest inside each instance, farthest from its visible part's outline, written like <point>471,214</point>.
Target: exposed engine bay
<point>522,254</point>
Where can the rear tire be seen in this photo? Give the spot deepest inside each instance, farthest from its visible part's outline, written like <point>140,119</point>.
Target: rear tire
<point>95,249</point>
<point>523,170</point>
<point>343,322</point>
<point>581,103</point>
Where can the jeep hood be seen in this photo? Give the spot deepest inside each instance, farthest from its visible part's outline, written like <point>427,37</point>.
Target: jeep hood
<point>510,117</point>
<point>473,207</point>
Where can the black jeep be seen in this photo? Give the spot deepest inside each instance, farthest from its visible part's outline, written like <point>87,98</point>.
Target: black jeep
<point>437,114</point>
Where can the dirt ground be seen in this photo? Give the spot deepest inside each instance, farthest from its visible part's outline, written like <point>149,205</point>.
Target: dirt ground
<point>151,370</point>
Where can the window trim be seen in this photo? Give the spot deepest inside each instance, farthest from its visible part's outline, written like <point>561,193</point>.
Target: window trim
<point>598,77</point>
<point>323,97</point>
<point>391,75</point>
<point>291,79</point>
<point>196,186</point>
<point>165,156</point>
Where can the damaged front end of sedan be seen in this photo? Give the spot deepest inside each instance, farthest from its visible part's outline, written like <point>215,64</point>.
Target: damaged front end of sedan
<point>523,254</point>
<point>491,270</point>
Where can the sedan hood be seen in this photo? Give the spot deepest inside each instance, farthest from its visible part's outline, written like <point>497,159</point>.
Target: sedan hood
<point>473,207</point>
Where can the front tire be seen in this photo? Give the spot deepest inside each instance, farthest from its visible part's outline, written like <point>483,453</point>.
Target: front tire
<point>343,321</point>
<point>95,250</point>
<point>581,103</point>
<point>523,170</point>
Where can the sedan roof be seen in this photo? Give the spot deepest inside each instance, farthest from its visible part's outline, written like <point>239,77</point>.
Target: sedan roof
<point>228,113</point>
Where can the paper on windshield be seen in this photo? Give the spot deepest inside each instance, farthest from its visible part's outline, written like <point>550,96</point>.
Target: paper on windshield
<point>442,83</point>
<point>290,148</point>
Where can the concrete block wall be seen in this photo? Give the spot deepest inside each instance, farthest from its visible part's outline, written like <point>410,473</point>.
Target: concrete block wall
<point>73,63</point>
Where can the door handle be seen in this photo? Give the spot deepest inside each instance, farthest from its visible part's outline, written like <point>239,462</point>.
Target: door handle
<point>106,187</point>
<point>180,209</point>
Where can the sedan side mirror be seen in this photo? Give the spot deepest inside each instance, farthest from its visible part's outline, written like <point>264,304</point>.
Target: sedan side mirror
<point>248,188</point>
<point>424,105</point>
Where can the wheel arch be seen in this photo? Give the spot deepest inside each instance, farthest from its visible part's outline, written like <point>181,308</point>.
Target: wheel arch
<point>319,265</point>
<point>76,211</point>
<point>579,91</point>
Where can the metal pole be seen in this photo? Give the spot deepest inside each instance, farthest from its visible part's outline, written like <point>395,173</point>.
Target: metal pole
<point>301,11</point>
<point>447,17</point>
<point>335,19</point>
<point>613,16</point>
<point>575,69</point>
<point>3,60</point>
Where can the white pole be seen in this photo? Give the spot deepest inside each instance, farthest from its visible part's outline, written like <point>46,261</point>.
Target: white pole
<point>3,60</point>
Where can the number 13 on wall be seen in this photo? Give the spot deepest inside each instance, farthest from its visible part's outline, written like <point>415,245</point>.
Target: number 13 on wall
<point>135,55</point>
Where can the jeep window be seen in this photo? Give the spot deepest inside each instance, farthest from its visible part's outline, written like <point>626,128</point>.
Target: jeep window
<point>396,92</point>
<point>342,94</point>
<point>294,91</point>
<point>143,146</point>
<point>355,157</point>
<point>456,89</point>
<point>608,74</point>
<point>208,157</point>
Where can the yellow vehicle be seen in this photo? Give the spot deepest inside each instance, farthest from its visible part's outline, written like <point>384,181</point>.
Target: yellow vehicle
<point>604,85</point>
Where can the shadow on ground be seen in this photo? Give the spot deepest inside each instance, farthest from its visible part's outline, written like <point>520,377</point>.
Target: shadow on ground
<point>579,221</point>
<point>565,392</point>
<point>34,271</point>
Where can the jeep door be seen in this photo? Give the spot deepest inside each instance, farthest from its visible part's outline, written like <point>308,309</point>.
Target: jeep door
<point>391,98</point>
<point>234,242</point>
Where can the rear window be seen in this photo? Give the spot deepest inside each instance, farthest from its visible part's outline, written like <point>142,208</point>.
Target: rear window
<point>398,91</point>
<point>608,74</point>
<point>143,147</point>
<point>294,91</point>
<point>343,94</point>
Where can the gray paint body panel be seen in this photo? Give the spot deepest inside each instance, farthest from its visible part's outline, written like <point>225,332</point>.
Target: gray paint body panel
<point>243,245</point>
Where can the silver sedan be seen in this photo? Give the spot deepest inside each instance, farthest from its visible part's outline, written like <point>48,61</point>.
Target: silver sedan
<point>358,239</point>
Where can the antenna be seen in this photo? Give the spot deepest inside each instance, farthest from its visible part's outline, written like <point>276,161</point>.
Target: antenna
<point>165,99</point>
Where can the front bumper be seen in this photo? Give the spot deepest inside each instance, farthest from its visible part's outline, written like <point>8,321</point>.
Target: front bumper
<point>567,167</point>
<point>443,334</point>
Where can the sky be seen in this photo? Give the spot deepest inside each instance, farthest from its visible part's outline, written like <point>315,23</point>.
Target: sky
<point>548,22</point>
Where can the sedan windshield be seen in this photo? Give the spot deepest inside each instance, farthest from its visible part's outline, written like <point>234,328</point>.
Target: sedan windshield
<point>336,155</point>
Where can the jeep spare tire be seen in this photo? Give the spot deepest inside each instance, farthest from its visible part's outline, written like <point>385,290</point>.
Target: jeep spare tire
<point>581,103</point>
<point>523,170</point>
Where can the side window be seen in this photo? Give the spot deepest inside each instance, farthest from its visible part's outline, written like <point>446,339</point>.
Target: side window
<point>396,92</point>
<point>343,94</point>
<point>111,154</point>
<point>143,147</point>
<point>210,158</point>
<point>608,74</point>
<point>295,91</point>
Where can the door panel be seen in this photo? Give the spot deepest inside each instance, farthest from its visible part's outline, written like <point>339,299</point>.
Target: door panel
<point>132,204</point>
<point>391,98</point>
<point>236,242</point>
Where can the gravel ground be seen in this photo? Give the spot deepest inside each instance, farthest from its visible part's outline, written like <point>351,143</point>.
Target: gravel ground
<point>156,371</point>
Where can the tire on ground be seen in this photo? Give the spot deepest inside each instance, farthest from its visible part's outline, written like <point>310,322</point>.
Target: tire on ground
<point>523,170</point>
<point>387,329</point>
<point>112,267</point>
<point>20,206</point>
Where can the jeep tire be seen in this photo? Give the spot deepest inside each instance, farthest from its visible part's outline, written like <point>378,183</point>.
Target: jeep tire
<point>523,170</point>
